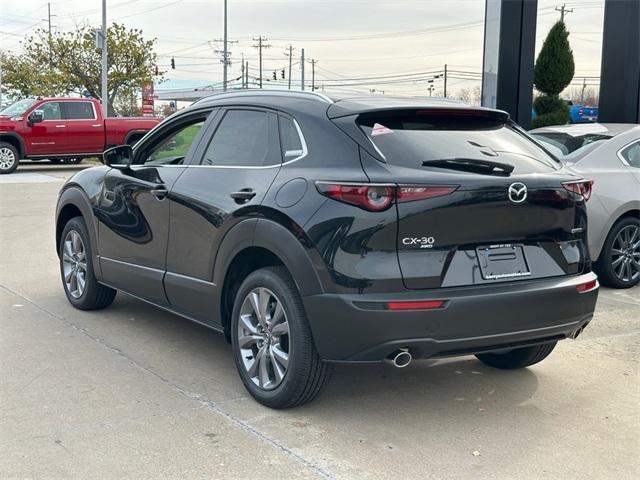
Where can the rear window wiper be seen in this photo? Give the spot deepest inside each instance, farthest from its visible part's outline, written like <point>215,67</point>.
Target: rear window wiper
<point>473,165</point>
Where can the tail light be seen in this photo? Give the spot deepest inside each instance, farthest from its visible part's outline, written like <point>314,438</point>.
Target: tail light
<point>581,187</point>
<point>379,197</point>
<point>409,194</point>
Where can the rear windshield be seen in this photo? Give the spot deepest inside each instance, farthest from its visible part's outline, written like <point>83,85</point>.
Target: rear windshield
<point>409,139</point>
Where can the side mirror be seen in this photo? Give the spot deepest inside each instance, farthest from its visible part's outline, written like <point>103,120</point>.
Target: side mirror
<point>118,157</point>
<point>36,116</point>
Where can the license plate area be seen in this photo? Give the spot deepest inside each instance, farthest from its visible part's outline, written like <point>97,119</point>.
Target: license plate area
<point>502,261</point>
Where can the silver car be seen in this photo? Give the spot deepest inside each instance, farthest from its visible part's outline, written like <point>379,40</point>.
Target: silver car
<point>608,154</point>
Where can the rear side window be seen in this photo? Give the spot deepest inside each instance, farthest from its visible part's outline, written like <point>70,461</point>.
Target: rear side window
<point>632,154</point>
<point>241,140</point>
<point>290,140</point>
<point>79,111</point>
<point>408,139</point>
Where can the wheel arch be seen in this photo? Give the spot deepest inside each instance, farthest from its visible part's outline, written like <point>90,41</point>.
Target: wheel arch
<point>254,244</point>
<point>134,134</point>
<point>627,210</point>
<point>74,202</point>
<point>15,140</point>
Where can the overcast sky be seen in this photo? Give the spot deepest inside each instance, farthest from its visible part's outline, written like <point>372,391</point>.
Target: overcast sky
<point>350,39</point>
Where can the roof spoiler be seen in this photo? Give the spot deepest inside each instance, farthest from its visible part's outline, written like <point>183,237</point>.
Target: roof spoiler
<point>461,110</point>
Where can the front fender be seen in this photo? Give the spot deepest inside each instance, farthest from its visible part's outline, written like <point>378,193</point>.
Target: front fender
<point>74,195</point>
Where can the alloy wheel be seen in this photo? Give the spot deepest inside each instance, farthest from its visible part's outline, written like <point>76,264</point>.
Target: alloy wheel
<point>263,338</point>
<point>625,254</point>
<point>7,158</point>
<point>74,264</point>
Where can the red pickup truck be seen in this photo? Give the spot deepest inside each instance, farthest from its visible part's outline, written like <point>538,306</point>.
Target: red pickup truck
<point>62,128</point>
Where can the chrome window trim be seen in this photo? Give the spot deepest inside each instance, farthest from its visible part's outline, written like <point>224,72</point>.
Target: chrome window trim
<point>624,147</point>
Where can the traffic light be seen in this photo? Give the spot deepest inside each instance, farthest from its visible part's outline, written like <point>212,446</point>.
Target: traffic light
<point>282,73</point>
<point>274,75</point>
<point>173,63</point>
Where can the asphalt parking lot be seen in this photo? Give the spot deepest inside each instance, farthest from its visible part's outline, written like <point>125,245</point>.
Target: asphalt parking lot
<point>132,391</point>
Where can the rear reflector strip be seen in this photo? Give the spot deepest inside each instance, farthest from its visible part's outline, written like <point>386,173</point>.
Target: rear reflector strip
<point>419,305</point>
<point>587,286</point>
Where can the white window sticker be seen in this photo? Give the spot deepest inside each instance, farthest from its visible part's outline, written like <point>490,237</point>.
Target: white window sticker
<point>380,130</point>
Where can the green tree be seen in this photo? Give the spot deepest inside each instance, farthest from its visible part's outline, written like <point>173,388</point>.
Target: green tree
<point>553,72</point>
<point>69,62</point>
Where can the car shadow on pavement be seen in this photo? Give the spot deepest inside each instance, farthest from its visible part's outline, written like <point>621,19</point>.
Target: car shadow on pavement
<point>171,345</point>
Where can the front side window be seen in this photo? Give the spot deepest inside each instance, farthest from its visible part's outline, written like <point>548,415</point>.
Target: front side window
<point>52,111</point>
<point>241,139</point>
<point>631,154</point>
<point>79,111</point>
<point>173,149</point>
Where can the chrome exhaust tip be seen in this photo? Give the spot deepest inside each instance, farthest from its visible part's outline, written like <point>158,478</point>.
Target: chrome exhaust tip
<point>400,358</point>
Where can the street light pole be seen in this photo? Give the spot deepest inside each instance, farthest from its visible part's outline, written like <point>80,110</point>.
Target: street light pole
<point>105,96</point>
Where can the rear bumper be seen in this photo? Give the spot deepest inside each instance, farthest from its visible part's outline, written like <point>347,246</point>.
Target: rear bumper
<point>356,328</point>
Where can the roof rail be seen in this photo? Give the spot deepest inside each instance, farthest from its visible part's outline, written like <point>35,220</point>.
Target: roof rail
<point>276,93</point>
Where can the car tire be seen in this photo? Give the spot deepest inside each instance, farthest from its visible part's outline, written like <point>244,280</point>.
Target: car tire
<point>518,357</point>
<point>72,161</point>
<point>9,158</point>
<point>76,269</point>
<point>303,375</point>
<point>612,275</point>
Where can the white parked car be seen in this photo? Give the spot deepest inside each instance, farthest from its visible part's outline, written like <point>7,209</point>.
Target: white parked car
<point>608,154</point>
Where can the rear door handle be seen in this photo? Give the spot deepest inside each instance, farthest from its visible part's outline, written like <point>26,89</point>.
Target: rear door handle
<point>243,196</point>
<point>61,126</point>
<point>160,193</point>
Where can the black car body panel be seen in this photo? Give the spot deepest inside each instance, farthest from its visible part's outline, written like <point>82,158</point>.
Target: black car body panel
<point>176,232</point>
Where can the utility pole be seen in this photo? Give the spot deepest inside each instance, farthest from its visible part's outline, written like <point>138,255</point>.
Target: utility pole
<point>49,18</point>
<point>104,94</point>
<point>302,66</point>
<point>584,86</point>
<point>290,55</point>
<point>242,72</point>
<point>246,73</point>
<point>225,53</point>
<point>313,74</point>
<point>50,32</point>
<point>563,11</point>
<point>261,44</point>
<point>445,80</point>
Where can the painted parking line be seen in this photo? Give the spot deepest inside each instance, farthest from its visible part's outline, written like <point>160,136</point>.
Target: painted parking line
<point>29,177</point>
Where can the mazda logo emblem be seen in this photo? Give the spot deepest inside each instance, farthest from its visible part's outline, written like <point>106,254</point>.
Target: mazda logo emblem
<point>517,192</point>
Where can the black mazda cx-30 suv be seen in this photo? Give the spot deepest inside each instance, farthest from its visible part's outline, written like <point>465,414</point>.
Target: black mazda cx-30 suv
<point>312,231</point>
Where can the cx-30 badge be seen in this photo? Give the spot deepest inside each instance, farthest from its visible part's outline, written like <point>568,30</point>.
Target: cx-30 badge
<point>517,192</point>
